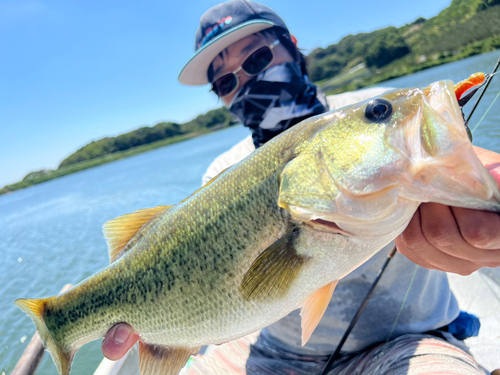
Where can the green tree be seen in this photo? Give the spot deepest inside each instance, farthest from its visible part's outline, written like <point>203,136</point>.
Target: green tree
<point>388,46</point>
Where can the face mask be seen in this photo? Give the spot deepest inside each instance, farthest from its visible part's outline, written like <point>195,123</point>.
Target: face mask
<point>275,100</point>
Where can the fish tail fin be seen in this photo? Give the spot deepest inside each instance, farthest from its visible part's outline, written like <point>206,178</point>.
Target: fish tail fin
<point>35,309</point>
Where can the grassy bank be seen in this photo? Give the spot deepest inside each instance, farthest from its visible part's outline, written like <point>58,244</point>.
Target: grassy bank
<point>406,65</point>
<point>76,167</point>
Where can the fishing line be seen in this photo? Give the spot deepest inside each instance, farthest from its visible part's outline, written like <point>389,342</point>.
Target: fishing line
<point>494,278</point>
<point>490,77</point>
<point>336,353</point>
<point>483,277</point>
<point>485,113</point>
<point>403,304</point>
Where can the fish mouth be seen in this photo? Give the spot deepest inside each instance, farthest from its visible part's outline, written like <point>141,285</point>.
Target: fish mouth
<point>330,226</point>
<point>392,221</point>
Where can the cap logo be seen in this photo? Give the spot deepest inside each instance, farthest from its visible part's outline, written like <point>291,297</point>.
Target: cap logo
<point>214,30</point>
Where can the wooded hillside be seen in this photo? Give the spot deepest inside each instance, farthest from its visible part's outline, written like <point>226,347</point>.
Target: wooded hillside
<point>465,28</point>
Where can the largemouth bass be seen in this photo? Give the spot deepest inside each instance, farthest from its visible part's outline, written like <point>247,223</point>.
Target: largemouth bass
<point>272,233</point>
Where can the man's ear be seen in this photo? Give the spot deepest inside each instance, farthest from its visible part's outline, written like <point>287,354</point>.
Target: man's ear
<point>294,39</point>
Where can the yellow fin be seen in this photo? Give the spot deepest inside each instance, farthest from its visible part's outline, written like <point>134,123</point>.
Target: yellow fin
<point>32,307</point>
<point>120,231</point>
<point>314,308</point>
<point>35,308</point>
<point>156,359</point>
<point>273,272</point>
<point>206,184</point>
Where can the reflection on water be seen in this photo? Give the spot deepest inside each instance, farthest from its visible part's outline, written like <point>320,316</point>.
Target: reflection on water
<point>51,233</point>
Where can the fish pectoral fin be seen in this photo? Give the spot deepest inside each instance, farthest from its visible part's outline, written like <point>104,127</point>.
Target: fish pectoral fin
<point>275,269</point>
<point>157,359</point>
<point>120,231</point>
<point>314,308</point>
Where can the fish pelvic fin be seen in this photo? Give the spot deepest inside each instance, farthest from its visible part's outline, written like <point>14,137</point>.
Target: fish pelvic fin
<point>162,360</point>
<point>121,230</point>
<point>35,309</point>
<point>273,272</point>
<point>314,308</point>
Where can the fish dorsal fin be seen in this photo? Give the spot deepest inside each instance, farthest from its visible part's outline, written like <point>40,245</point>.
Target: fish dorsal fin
<point>206,184</point>
<point>120,231</point>
<point>162,360</point>
<point>314,308</point>
<point>273,272</point>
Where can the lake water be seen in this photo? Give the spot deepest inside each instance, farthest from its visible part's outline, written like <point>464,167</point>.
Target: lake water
<point>51,233</point>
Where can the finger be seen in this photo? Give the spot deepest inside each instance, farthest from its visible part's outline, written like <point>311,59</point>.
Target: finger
<point>414,244</point>
<point>480,229</point>
<point>490,160</point>
<point>431,258</point>
<point>118,341</point>
<point>411,241</point>
<point>441,230</point>
<point>413,256</point>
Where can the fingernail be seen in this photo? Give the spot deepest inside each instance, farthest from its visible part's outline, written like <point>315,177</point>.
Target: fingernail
<point>121,335</point>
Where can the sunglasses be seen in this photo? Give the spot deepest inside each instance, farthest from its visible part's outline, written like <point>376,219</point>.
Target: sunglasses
<point>256,62</point>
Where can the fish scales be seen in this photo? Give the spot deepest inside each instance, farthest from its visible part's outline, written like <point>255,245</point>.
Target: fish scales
<point>179,270</point>
<point>270,233</point>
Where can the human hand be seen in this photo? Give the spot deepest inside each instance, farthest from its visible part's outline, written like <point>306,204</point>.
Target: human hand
<point>119,339</point>
<point>453,239</point>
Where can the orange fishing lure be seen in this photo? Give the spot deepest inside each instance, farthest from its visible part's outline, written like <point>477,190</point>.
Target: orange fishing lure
<point>475,79</point>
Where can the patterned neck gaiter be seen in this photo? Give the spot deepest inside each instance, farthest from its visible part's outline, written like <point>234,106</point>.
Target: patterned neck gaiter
<point>275,100</point>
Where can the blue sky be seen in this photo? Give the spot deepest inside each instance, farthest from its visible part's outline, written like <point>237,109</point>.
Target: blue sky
<point>76,71</point>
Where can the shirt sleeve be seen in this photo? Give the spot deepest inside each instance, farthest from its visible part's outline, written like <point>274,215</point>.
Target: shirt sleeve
<point>236,153</point>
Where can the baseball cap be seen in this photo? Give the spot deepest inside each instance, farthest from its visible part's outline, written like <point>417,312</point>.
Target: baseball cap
<point>220,27</point>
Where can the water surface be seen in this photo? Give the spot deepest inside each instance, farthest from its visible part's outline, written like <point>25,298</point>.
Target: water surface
<point>51,233</point>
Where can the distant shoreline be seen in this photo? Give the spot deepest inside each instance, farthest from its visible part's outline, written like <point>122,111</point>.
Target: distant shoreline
<point>386,75</point>
<point>77,167</point>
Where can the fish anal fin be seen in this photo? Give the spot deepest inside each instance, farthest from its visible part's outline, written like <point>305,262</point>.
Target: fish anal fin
<point>314,308</point>
<point>120,231</point>
<point>273,272</point>
<point>162,360</point>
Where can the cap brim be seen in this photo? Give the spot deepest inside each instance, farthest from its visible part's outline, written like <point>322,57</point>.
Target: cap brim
<point>194,73</point>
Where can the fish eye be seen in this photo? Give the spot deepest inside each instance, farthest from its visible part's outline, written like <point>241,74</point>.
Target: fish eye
<point>377,110</point>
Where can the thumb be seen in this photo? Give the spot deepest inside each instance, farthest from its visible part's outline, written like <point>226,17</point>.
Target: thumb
<point>118,341</point>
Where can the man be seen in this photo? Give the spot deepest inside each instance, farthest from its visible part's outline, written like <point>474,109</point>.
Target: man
<point>246,52</point>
